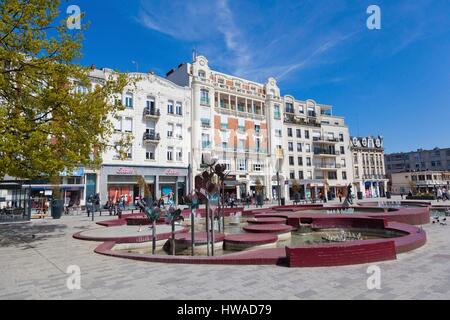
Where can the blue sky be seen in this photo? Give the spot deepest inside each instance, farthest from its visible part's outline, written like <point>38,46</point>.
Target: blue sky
<point>394,81</point>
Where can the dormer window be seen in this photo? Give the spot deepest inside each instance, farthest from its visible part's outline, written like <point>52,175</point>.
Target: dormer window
<point>202,74</point>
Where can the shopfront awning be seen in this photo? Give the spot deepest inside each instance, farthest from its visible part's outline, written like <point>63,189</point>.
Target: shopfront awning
<point>62,186</point>
<point>231,183</point>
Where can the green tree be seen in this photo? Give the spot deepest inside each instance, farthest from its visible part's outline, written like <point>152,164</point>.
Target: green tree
<point>46,124</point>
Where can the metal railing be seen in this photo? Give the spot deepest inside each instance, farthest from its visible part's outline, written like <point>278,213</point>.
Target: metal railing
<point>151,112</point>
<point>326,152</point>
<point>151,136</point>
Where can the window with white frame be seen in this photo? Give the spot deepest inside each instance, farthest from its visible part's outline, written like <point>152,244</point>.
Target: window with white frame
<point>150,103</point>
<point>118,151</point>
<point>170,107</point>
<point>278,132</point>
<point>169,153</point>
<point>227,164</point>
<point>170,130</point>
<point>179,154</point>
<point>258,144</point>
<point>241,144</point>
<point>276,111</point>
<point>150,152</point>
<point>129,100</point>
<point>118,124</point>
<point>206,143</point>
<point>257,167</point>
<point>179,108</point>
<point>204,97</point>
<point>307,147</point>
<point>128,124</point>
<point>290,146</point>
<point>299,146</point>
<point>241,164</point>
<point>81,89</point>
<point>308,175</point>
<point>128,153</point>
<point>179,131</point>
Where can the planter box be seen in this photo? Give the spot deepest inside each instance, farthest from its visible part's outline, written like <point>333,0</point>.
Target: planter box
<point>57,208</point>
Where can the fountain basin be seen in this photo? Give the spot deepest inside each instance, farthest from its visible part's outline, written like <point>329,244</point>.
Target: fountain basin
<point>243,241</point>
<point>283,231</point>
<point>268,220</point>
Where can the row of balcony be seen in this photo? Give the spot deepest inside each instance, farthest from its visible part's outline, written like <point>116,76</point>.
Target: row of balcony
<point>311,114</point>
<point>326,140</point>
<point>242,114</point>
<point>371,176</point>
<point>152,113</point>
<point>208,145</point>
<point>328,166</point>
<point>151,137</point>
<point>232,88</point>
<point>326,152</point>
<point>301,121</point>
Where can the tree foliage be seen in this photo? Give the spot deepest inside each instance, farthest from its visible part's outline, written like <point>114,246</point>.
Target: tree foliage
<point>46,124</point>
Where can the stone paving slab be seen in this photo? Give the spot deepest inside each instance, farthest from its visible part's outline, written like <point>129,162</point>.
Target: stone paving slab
<point>35,268</point>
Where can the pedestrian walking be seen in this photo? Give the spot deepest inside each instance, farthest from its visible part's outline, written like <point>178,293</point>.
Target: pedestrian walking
<point>445,195</point>
<point>439,194</point>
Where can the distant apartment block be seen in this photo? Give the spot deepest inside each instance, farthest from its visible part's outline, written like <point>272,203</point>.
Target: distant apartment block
<point>419,182</point>
<point>420,160</point>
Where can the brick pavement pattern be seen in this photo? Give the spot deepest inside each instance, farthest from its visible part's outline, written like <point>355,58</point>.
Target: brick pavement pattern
<point>36,255</point>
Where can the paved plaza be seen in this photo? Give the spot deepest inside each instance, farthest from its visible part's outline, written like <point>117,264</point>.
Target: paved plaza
<point>35,257</point>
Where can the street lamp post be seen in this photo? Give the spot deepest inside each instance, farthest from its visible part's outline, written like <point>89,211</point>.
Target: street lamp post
<point>278,188</point>
<point>278,181</point>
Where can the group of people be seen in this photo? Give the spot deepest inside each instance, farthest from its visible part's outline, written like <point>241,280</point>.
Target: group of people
<point>230,199</point>
<point>442,194</point>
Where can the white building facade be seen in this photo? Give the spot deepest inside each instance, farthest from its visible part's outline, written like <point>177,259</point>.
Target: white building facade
<point>316,154</point>
<point>258,133</point>
<point>229,124</point>
<point>369,168</point>
<point>196,115</point>
<point>157,115</point>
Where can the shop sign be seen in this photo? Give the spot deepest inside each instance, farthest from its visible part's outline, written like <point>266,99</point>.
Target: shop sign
<point>77,172</point>
<point>125,171</point>
<point>171,172</point>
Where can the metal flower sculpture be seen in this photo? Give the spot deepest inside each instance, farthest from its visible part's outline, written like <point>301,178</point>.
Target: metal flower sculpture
<point>173,215</point>
<point>153,214</point>
<point>208,186</point>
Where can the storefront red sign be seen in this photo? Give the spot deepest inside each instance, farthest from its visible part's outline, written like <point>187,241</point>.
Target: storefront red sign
<point>124,171</point>
<point>171,172</point>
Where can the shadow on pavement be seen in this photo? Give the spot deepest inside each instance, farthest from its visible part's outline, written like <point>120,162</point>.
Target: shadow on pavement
<point>23,235</point>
